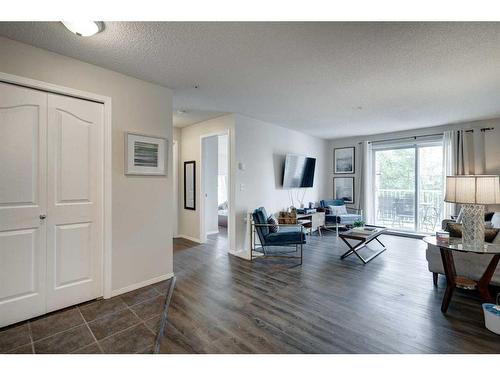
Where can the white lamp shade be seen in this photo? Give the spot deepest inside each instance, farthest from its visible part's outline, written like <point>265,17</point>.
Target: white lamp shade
<point>473,189</point>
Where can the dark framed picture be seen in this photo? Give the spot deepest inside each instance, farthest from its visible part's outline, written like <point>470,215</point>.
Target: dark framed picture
<point>190,185</point>
<point>343,160</point>
<point>343,188</point>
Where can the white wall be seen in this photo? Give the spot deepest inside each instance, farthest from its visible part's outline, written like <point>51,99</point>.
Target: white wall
<point>141,206</point>
<point>189,220</point>
<point>262,147</point>
<point>491,148</point>
<point>210,170</point>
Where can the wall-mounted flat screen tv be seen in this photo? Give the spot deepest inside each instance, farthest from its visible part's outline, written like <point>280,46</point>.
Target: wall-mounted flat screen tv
<point>299,171</point>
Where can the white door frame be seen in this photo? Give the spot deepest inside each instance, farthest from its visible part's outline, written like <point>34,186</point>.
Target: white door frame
<point>175,174</point>
<point>107,192</point>
<point>203,233</point>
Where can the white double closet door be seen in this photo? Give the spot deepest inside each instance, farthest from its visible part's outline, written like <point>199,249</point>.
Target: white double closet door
<point>51,202</point>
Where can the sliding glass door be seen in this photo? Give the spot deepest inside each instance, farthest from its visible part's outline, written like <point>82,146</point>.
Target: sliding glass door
<point>395,188</point>
<point>408,181</point>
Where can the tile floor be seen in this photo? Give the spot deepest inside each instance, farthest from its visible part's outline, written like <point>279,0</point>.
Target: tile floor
<point>124,324</point>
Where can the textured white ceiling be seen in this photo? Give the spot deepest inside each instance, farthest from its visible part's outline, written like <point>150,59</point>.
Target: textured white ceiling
<point>327,79</point>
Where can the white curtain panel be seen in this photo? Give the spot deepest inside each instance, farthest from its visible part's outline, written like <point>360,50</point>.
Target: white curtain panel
<point>468,151</point>
<point>463,154</point>
<point>479,159</point>
<point>358,194</point>
<point>449,167</point>
<point>366,196</point>
<point>460,151</point>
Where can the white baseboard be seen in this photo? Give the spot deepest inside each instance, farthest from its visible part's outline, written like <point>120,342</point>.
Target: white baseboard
<point>212,232</point>
<point>406,234</point>
<point>129,288</point>
<point>245,254</point>
<point>197,240</point>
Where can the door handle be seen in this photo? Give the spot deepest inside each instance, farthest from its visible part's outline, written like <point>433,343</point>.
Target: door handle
<point>43,216</point>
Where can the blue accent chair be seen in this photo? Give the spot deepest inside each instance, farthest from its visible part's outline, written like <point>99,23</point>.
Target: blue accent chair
<point>288,235</point>
<point>338,220</point>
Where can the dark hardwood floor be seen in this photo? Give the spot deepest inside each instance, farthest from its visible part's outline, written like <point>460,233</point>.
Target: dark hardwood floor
<point>223,304</point>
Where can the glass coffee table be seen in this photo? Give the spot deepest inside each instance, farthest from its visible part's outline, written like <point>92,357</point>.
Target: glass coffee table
<point>447,248</point>
<point>363,236</point>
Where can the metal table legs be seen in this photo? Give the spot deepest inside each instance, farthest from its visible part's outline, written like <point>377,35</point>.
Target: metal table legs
<point>361,244</point>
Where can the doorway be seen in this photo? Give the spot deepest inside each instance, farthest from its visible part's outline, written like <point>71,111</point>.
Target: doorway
<point>214,207</point>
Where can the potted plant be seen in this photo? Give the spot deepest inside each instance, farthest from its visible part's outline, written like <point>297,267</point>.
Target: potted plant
<point>358,224</point>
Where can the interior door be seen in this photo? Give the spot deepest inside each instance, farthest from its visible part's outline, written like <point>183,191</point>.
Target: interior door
<point>23,127</point>
<point>74,205</point>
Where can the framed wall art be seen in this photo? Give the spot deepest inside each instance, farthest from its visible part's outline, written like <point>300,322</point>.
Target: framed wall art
<point>343,188</point>
<point>145,155</point>
<point>343,160</point>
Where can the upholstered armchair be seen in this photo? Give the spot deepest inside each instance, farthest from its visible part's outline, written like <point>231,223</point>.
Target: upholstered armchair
<point>288,235</point>
<point>336,220</point>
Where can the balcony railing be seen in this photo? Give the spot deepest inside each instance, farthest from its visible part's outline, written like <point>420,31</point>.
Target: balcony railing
<point>395,208</point>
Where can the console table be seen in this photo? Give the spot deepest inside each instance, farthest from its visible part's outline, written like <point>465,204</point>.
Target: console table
<point>453,280</point>
<point>313,221</point>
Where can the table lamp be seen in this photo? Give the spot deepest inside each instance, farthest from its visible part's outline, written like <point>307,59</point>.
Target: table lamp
<point>473,192</point>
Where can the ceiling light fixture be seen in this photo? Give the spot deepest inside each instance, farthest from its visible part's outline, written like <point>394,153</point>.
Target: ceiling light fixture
<point>84,28</point>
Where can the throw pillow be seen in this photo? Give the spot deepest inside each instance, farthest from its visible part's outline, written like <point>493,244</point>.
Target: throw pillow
<point>490,234</point>
<point>337,210</point>
<point>488,216</point>
<point>496,240</point>
<point>274,228</point>
<point>456,231</point>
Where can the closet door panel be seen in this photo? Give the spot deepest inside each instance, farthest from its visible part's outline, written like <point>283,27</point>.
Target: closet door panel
<point>23,148</point>
<point>75,173</point>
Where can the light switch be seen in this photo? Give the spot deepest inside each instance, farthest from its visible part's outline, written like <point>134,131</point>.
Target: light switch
<point>242,187</point>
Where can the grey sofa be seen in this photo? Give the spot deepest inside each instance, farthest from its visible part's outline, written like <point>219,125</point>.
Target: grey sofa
<point>469,265</point>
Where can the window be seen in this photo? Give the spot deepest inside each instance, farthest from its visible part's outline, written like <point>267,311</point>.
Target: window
<point>408,181</point>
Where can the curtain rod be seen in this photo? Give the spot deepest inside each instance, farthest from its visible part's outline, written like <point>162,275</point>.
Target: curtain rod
<point>399,139</point>
<point>482,129</point>
<point>424,136</point>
